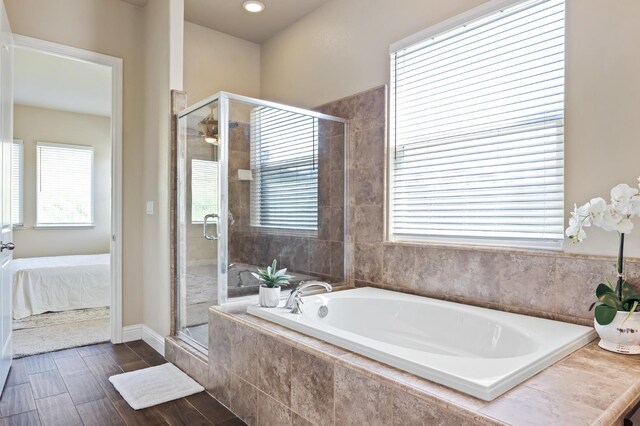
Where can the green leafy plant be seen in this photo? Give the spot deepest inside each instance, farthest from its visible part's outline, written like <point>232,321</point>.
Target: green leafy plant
<point>611,300</point>
<point>272,277</point>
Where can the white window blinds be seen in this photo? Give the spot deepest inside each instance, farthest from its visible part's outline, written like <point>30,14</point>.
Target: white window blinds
<point>477,128</point>
<point>17,183</point>
<point>64,185</point>
<point>204,189</point>
<point>284,161</point>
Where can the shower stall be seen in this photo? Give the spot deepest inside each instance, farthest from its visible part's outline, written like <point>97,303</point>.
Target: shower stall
<point>256,181</point>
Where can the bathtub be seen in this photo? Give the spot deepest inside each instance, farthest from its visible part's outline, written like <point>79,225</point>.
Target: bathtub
<point>478,351</point>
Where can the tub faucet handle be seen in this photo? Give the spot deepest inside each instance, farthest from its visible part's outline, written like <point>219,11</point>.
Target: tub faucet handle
<point>297,304</point>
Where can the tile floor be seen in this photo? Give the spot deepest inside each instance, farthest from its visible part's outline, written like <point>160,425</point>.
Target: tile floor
<point>71,387</point>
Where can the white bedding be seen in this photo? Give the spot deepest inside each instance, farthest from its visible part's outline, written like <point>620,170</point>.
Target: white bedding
<point>59,283</point>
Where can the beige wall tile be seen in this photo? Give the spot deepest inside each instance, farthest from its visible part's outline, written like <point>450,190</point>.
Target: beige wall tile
<point>477,275</point>
<point>409,410</point>
<point>271,412</point>
<point>576,282</point>
<point>320,256</point>
<point>198,369</point>
<point>368,262</point>
<point>244,400</point>
<point>219,383</point>
<point>370,109</point>
<point>435,270</point>
<point>593,390</point>
<point>312,387</point>
<point>367,149</point>
<point>219,343</point>
<point>297,420</point>
<point>243,352</point>
<point>528,281</point>
<point>399,266</point>
<point>274,368</point>
<point>368,226</point>
<point>522,405</point>
<point>367,185</point>
<point>361,400</point>
<point>336,231</point>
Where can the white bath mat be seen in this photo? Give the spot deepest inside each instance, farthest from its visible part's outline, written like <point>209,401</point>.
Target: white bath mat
<point>154,385</point>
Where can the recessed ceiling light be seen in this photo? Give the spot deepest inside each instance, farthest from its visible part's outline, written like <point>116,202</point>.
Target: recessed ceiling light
<point>253,6</point>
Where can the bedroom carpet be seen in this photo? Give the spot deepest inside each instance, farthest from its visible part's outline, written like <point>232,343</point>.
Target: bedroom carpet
<point>60,330</point>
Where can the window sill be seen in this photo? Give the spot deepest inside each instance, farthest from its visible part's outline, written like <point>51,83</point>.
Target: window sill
<point>83,226</point>
<point>284,232</point>
<point>483,244</point>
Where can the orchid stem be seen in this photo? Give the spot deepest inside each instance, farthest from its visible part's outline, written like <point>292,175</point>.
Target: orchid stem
<point>620,265</point>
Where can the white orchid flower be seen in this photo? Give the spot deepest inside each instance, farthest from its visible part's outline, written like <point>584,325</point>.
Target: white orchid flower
<point>621,196</point>
<point>598,206</point>
<point>612,217</point>
<point>624,226</point>
<point>616,216</point>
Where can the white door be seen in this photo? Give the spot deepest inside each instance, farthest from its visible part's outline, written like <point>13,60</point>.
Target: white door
<point>6,233</point>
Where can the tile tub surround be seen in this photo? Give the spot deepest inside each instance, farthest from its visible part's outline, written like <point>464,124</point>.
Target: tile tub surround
<point>546,284</point>
<point>308,255</point>
<point>286,378</point>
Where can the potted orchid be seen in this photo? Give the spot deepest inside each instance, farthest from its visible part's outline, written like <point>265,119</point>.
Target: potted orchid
<point>270,280</point>
<point>617,317</point>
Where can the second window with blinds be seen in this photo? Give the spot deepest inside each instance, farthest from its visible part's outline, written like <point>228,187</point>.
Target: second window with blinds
<point>284,161</point>
<point>477,129</point>
<point>64,185</point>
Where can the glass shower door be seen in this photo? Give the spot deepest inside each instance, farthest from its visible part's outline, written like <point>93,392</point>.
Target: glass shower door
<point>198,217</point>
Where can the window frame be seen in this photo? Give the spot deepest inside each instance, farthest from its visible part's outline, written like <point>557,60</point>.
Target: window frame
<point>42,225</point>
<point>19,224</point>
<point>433,31</point>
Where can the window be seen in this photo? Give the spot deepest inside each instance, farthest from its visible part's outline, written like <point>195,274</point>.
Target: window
<point>204,187</point>
<point>284,160</point>
<point>64,183</point>
<point>17,183</point>
<point>477,130</point>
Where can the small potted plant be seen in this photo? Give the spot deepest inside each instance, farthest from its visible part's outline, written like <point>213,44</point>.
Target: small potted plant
<point>617,319</point>
<point>271,278</point>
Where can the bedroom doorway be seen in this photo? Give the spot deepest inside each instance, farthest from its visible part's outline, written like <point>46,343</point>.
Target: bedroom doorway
<point>66,197</point>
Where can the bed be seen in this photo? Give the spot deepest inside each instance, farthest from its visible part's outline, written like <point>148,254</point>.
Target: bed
<point>59,283</point>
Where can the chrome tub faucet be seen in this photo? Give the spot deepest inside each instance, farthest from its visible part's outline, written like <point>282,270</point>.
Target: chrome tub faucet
<point>294,301</point>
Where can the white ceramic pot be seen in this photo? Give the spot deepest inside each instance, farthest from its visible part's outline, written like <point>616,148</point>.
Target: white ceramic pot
<point>621,336</point>
<point>269,297</point>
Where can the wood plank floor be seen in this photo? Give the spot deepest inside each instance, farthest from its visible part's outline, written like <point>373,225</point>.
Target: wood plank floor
<point>71,387</point>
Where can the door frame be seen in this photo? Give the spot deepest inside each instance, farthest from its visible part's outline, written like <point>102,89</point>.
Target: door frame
<point>24,42</point>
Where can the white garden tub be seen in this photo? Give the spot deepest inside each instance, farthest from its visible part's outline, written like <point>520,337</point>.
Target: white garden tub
<point>478,351</point>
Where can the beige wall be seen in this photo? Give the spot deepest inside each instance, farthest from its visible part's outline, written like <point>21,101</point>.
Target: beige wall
<point>214,61</point>
<point>342,48</point>
<point>45,125</point>
<point>149,40</point>
<point>163,22</point>
<point>113,28</point>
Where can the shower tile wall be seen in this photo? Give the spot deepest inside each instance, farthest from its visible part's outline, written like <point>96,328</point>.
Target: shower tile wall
<point>321,256</point>
<point>546,284</point>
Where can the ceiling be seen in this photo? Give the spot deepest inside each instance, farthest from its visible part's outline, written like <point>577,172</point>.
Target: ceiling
<point>229,17</point>
<point>55,82</point>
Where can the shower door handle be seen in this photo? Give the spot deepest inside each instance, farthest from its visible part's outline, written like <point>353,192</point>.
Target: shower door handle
<point>205,225</point>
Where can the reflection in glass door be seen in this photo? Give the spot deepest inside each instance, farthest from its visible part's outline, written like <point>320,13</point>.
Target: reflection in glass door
<point>198,222</point>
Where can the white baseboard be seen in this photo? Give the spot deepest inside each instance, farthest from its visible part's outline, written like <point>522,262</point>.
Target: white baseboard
<point>153,339</point>
<point>147,334</point>
<point>131,333</point>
